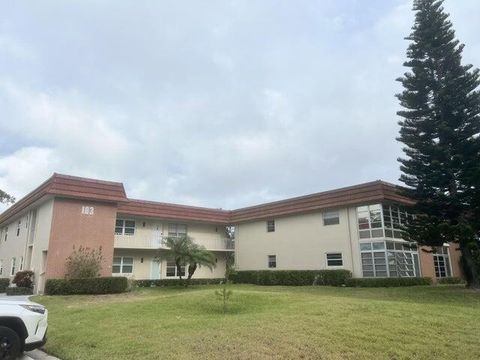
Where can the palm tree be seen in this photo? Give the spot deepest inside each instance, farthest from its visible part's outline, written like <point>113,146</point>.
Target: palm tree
<point>184,251</point>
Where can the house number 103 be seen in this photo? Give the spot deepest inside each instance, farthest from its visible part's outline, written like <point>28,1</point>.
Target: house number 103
<point>87,210</point>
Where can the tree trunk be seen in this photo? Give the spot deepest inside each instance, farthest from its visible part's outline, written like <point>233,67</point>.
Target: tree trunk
<point>179,268</point>
<point>470,267</point>
<point>191,270</point>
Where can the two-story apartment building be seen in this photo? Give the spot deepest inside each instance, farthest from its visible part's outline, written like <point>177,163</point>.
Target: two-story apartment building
<point>42,229</point>
<point>355,228</point>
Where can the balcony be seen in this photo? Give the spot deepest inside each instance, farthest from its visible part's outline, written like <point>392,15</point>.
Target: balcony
<point>142,242</point>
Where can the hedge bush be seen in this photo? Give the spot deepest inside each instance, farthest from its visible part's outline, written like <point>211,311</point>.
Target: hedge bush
<point>451,280</point>
<point>19,290</point>
<point>4,284</point>
<point>176,282</point>
<point>292,277</point>
<point>93,286</point>
<point>388,282</point>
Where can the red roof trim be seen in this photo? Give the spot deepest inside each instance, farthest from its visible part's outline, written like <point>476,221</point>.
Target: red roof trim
<point>108,191</point>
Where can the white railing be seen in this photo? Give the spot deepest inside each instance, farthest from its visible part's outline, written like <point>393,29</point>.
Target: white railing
<point>133,242</point>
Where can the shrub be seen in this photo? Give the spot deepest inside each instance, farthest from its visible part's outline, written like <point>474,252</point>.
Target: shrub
<point>4,284</point>
<point>388,282</point>
<point>292,277</point>
<point>84,263</point>
<point>24,279</point>
<point>451,280</point>
<point>18,290</point>
<point>101,285</point>
<point>176,282</point>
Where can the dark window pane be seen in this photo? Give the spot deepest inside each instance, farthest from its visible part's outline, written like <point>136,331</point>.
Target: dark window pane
<point>271,225</point>
<point>377,233</point>
<point>129,231</point>
<point>127,269</point>
<point>129,223</point>
<point>365,234</point>
<point>365,246</point>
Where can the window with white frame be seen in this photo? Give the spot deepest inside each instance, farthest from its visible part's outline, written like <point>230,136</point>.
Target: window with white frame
<point>1,267</point>
<point>394,218</point>
<point>370,221</point>
<point>124,227</point>
<point>172,270</point>
<point>271,225</point>
<point>334,259</point>
<point>377,221</point>
<point>177,230</point>
<point>18,227</point>
<point>331,218</point>
<point>12,266</point>
<point>6,233</point>
<point>122,265</point>
<point>272,261</point>
<point>441,262</point>
<point>389,259</point>
<point>20,268</point>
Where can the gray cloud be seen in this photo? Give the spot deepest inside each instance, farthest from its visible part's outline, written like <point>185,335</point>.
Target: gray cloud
<point>219,103</point>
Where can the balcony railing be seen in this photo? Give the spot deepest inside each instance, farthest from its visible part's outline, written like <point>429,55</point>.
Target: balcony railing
<point>134,242</point>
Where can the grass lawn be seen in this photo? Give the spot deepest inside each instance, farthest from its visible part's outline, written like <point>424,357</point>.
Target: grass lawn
<point>268,323</point>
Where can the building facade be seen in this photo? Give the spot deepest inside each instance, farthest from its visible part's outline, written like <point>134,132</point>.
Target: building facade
<point>356,228</point>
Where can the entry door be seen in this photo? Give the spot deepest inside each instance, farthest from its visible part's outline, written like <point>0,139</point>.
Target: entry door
<point>157,235</point>
<point>156,269</point>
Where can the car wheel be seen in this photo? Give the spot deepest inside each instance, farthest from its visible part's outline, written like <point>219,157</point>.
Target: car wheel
<point>10,346</point>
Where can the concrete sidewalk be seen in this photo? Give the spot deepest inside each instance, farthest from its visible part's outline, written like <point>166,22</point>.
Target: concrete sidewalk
<point>37,355</point>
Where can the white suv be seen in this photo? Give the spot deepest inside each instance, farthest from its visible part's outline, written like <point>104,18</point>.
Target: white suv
<point>23,326</point>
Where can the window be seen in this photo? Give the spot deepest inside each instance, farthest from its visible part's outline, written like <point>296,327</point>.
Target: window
<point>270,225</point>
<point>394,219</point>
<point>389,259</point>
<point>441,261</point>
<point>331,218</point>
<point>172,269</point>
<point>21,263</point>
<point>18,228</point>
<point>6,233</point>
<point>370,221</point>
<point>272,261</point>
<point>122,265</point>
<point>1,267</point>
<point>334,259</point>
<point>124,227</point>
<point>177,230</point>
<point>12,266</point>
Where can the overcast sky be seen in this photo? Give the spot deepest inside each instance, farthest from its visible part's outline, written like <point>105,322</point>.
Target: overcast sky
<point>212,103</point>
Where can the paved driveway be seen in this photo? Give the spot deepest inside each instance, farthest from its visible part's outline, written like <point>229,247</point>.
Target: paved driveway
<point>37,355</point>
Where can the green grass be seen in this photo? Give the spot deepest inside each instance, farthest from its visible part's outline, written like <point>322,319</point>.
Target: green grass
<point>440,322</point>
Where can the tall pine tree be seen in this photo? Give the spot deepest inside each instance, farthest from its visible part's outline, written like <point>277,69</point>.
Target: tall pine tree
<point>440,129</point>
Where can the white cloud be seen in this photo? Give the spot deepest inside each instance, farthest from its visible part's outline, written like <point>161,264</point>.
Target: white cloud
<point>21,171</point>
